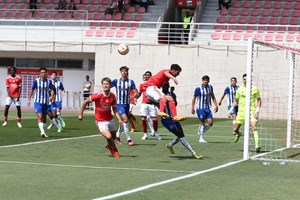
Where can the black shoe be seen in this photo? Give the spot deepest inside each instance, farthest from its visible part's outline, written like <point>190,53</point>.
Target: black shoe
<point>257,149</point>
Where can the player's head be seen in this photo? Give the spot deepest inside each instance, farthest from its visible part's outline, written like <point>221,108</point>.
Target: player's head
<point>147,75</point>
<point>43,72</point>
<point>12,71</point>
<point>53,75</point>
<point>205,80</point>
<point>106,83</point>
<point>244,79</point>
<point>233,81</point>
<point>172,89</point>
<point>175,70</point>
<point>87,77</point>
<point>124,71</point>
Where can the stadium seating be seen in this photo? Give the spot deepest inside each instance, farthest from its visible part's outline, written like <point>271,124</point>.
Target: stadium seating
<point>272,21</point>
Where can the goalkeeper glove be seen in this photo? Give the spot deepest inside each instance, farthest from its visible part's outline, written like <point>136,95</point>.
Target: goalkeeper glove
<point>229,113</point>
<point>256,113</point>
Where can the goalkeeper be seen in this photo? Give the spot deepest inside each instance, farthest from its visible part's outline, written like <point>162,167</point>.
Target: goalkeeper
<point>240,99</point>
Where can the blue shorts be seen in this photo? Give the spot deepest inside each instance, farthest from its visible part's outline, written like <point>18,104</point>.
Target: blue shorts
<point>169,124</point>
<point>204,114</point>
<point>58,104</point>
<point>123,109</point>
<point>234,111</point>
<point>51,108</point>
<point>41,108</point>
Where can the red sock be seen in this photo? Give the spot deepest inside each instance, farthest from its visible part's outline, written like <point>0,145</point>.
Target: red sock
<point>173,108</point>
<point>162,105</point>
<point>131,124</point>
<point>144,124</point>
<point>5,118</point>
<point>19,120</point>
<point>155,123</point>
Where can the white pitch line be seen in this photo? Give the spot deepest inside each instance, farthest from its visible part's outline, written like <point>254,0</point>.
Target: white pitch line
<point>94,167</point>
<point>46,141</point>
<point>168,181</point>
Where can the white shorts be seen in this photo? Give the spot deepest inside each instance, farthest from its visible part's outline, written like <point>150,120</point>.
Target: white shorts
<point>10,100</point>
<point>148,109</point>
<point>107,125</point>
<point>154,93</point>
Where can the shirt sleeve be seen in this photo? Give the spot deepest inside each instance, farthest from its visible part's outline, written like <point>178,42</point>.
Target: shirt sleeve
<point>197,91</point>
<point>132,85</point>
<point>114,83</point>
<point>34,84</point>
<point>226,91</point>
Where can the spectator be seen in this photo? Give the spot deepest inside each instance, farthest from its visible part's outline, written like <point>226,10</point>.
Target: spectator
<point>120,6</point>
<point>226,3</point>
<point>72,7</point>
<point>87,85</point>
<point>62,5</point>
<point>111,8</point>
<point>186,26</point>
<point>144,3</point>
<point>33,5</point>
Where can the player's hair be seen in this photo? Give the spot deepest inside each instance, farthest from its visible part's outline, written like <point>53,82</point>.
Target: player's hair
<point>244,75</point>
<point>176,67</point>
<point>148,72</point>
<point>205,77</point>
<point>43,68</point>
<point>124,67</point>
<point>233,78</point>
<point>54,72</point>
<point>13,67</point>
<point>106,79</point>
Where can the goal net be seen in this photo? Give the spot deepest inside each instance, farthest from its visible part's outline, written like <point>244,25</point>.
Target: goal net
<point>279,120</point>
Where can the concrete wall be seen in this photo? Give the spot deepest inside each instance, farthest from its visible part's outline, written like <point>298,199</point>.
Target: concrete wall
<point>219,62</point>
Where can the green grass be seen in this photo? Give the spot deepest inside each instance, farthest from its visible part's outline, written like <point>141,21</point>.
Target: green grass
<point>81,168</point>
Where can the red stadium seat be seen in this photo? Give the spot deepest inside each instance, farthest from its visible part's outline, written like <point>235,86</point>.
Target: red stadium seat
<point>28,15</point>
<point>89,33</point>
<point>292,29</point>
<point>265,13</point>
<point>267,5</point>
<point>97,16</point>
<point>58,16</point>
<point>237,36</point>
<point>8,15</point>
<point>68,16</point>
<point>105,2</point>
<point>275,13</point>
<point>107,17</point>
<point>93,25</point>
<point>257,5</point>
<point>134,26</point>
<point>258,36</point>
<point>120,33</point>
<point>271,29</point>
<point>99,33</point>
<point>288,6</point>
<point>43,7</point>
<point>231,20</point>
<point>127,17</point>
<point>245,12</point>
<point>294,22</point>
<point>95,2</point>
<point>285,13</point>
<point>22,7</point>
<point>110,33</point>
<point>273,20</point>
<point>247,4</point>
<point>19,15</point>
<point>277,5</point>
<point>130,33</point>
<point>237,4</point>
<point>279,37</point>
<point>247,36</point>
<point>297,6</point>
<point>78,16</point>
<point>242,20</point>
<point>138,17</point>
<point>141,10</point>
<point>239,28</point>
<point>290,38</point>
<point>124,25</point>
<point>221,20</point>
<point>234,12</point>
<point>254,13</point>
<point>224,12</point>
<point>296,14</point>
<point>269,37</point>
<point>131,9</point>
<point>92,9</point>
<point>283,21</point>
<point>101,9</point>
<point>37,15</point>
<point>117,17</point>
<point>215,36</point>
<point>85,2</point>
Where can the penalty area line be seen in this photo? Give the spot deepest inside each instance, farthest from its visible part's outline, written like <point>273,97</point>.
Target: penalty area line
<point>47,141</point>
<point>169,180</point>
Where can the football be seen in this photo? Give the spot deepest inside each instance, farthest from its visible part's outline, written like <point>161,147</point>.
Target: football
<point>123,49</point>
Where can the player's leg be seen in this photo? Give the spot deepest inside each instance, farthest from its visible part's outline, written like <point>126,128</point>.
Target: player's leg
<point>41,111</point>
<point>7,106</point>
<point>143,114</point>
<point>255,134</point>
<point>173,109</point>
<point>108,130</point>
<point>153,114</point>
<point>19,113</point>
<point>123,111</point>
<point>131,122</point>
<point>238,122</point>
<point>202,119</point>
<point>155,94</point>
<point>58,113</point>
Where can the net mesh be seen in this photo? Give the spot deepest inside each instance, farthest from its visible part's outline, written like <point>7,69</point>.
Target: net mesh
<point>279,123</point>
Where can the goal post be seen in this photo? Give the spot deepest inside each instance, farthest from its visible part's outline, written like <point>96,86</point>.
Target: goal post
<point>279,86</point>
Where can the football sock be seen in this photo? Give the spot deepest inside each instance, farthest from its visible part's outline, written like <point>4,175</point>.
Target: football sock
<point>144,124</point>
<point>201,131</point>
<point>41,127</point>
<point>155,123</point>
<point>126,131</point>
<point>185,143</point>
<point>150,123</point>
<point>53,121</point>
<point>173,108</point>
<point>162,105</point>
<point>256,138</point>
<point>5,118</point>
<point>174,141</point>
<point>206,127</point>
<point>120,129</point>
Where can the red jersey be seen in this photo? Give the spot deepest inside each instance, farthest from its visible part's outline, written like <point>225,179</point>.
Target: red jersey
<point>13,84</point>
<point>103,106</point>
<point>143,91</point>
<point>131,94</point>
<point>158,79</point>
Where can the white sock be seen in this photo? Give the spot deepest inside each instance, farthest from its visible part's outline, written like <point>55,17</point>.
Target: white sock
<point>206,127</point>
<point>41,127</point>
<point>53,121</point>
<point>126,131</point>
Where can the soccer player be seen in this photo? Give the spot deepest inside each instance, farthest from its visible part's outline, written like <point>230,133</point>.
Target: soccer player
<point>123,86</point>
<point>204,94</point>
<point>230,92</point>
<point>14,88</point>
<point>148,109</point>
<point>240,99</point>
<point>132,119</point>
<point>175,128</point>
<point>105,101</point>
<point>44,91</point>
<point>154,93</point>
<point>60,91</point>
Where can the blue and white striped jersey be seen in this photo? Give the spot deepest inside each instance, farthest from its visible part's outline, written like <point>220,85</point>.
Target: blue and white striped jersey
<point>58,88</point>
<point>230,92</point>
<point>203,96</point>
<point>123,90</point>
<point>42,90</point>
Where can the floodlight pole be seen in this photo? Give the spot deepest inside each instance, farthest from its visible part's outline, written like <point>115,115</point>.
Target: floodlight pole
<point>248,99</point>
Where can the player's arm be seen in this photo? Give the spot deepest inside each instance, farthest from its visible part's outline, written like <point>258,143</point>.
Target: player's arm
<point>170,76</point>
<point>258,105</point>
<point>135,94</point>
<point>52,92</point>
<point>83,105</point>
<point>215,101</point>
<point>30,96</point>
<point>117,114</point>
<point>193,105</point>
<point>221,99</point>
<point>233,105</point>
<point>19,95</point>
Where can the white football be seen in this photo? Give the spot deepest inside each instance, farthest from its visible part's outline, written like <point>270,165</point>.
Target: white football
<point>123,49</point>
